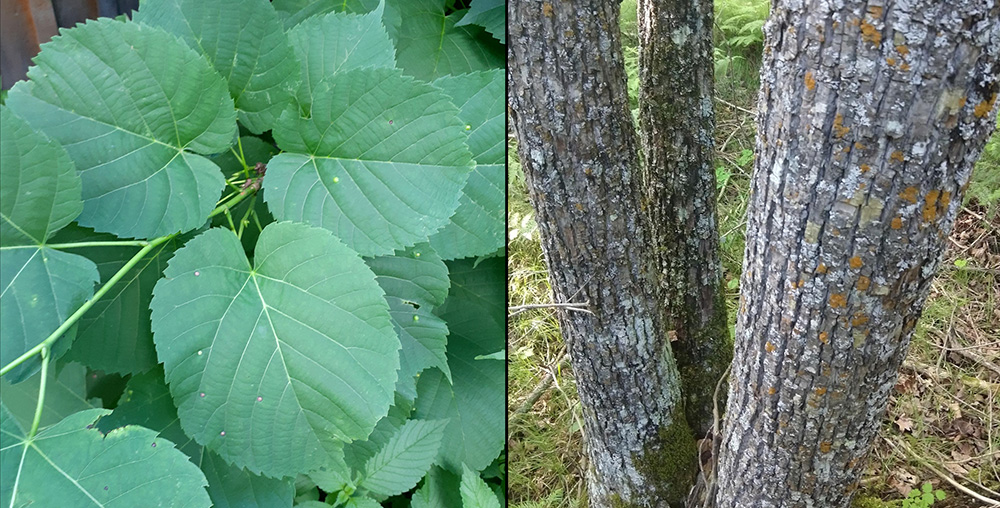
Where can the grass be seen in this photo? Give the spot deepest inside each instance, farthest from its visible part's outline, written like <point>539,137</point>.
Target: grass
<point>945,410</point>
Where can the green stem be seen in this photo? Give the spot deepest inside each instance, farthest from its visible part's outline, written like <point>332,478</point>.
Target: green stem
<point>47,343</point>
<point>244,221</point>
<point>41,393</point>
<point>229,204</point>
<point>78,245</point>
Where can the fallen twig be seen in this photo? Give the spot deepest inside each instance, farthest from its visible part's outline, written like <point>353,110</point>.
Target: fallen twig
<point>539,389</point>
<point>578,307</point>
<point>896,445</point>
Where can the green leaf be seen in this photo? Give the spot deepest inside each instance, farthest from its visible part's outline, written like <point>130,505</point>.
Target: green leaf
<point>440,488</point>
<point>39,287</point>
<point>489,14</point>
<point>430,45</point>
<point>40,190</point>
<point>335,474</point>
<point>339,42</point>
<point>244,41</point>
<point>133,106</point>
<point>477,228</point>
<point>73,464</point>
<point>293,12</point>
<point>114,335</point>
<point>499,355</point>
<point>64,395</point>
<point>380,162</point>
<point>415,281</point>
<point>362,502</point>
<point>404,459</point>
<point>269,362</point>
<point>475,492</point>
<point>358,453</point>
<point>475,315</point>
<point>146,402</point>
<point>232,487</point>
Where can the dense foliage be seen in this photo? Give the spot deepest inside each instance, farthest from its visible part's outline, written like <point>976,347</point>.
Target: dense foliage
<point>252,255</point>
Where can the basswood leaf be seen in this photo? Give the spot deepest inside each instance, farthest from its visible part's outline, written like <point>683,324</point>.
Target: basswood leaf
<point>475,315</point>
<point>232,487</point>
<point>133,106</point>
<point>39,287</point>
<point>415,281</point>
<point>64,395</point>
<point>380,162</point>
<point>339,42</point>
<point>293,12</point>
<point>430,45</point>
<point>146,402</point>
<point>271,361</point>
<point>114,335</point>
<point>477,228</point>
<point>489,14</point>
<point>475,492</point>
<point>244,41</point>
<point>404,459</point>
<point>73,464</point>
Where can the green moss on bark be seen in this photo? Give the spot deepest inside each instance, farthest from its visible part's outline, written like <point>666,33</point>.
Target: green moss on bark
<point>669,463</point>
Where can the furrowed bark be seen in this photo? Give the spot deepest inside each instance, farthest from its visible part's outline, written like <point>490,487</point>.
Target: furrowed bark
<point>677,127</point>
<point>871,116</point>
<point>576,141</point>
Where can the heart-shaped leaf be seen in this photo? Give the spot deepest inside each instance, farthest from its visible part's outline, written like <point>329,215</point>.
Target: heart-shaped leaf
<point>380,162</point>
<point>404,459</point>
<point>244,41</point>
<point>133,106</point>
<point>430,45</point>
<point>39,287</point>
<point>477,228</point>
<point>73,464</point>
<point>267,362</point>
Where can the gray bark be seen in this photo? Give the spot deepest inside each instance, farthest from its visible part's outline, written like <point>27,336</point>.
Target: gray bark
<point>677,119</point>
<point>576,142</point>
<point>871,116</point>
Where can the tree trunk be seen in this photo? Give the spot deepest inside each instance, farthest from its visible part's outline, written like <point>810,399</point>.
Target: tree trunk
<point>576,141</point>
<point>871,116</point>
<point>676,115</point>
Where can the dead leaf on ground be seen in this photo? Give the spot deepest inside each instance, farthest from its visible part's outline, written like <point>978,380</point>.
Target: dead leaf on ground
<point>904,423</point>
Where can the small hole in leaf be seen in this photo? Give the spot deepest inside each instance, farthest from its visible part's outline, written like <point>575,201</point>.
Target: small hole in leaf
<point>416,318</point>
<point>223,433</point>
<point>105,487</point>
<point>202,394</point>
<point>197,274</point>
<point>199,352</point>
<point>468,127</point>
<point>336,179</point>
<point>154,445</point>
<point>390,122</point>
<point>259,398</point>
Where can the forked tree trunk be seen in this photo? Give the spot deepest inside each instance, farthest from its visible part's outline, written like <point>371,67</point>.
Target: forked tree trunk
<point>871,116</point>
<point>576,141</point>
<point>677,119</point>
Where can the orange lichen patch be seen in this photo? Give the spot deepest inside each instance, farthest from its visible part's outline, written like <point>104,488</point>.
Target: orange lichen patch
<point>897,222</point>
<point>859,319</point>
<point>810,81</point>
<point>821,391</point>
<point>771,391</point>
<point>875,11</point>
<point>821,268</point>
<point>824,337</point>
<point>902,50</point>
<point>588,171</point>
<point>865,168</point>
<point>864,283</point>
<point>769,347</point>
<point>983,108</point>
<point>855,262</point>
<point>847,148</point>
<point>897,156</point>
<point>579,207</point>
<point>909,194</point>
<point>547,9</point>
<point>891,61</point>
<point>904,66</point>
<point>930,205</point>
<point>870,34</point>
<point>838,126</point>
<point>838,300</point>
<point>858,145</point>
<point>568,34</point>
<point>825,446</point>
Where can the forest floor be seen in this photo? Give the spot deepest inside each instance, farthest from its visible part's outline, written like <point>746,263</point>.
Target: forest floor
<point>943,422</point>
